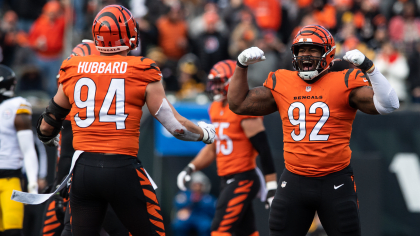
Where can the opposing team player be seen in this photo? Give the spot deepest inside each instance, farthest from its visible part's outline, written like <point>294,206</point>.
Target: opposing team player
<point>16,149</point>
<point>57,215</point>
<point>317,108</point>
<point>239,140</point>
<point>104,96</point>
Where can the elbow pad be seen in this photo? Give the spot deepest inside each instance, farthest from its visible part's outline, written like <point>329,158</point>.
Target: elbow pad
<point>59,114</point>
<point>167,118</point>
<point>385,98</point>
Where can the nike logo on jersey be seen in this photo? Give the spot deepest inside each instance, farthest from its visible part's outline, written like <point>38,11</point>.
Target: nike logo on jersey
<point>365,80</point>
<point>230,181</point>
<point>160,74</point>
<point>336,187</point>
<point>102,67</point>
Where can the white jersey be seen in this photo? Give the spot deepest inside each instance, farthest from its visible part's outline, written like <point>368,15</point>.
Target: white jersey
<point>11,156</point>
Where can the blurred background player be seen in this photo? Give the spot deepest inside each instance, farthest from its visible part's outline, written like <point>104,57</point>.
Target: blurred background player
<point>239,140</point>
<point>106,130</point>
<point>57,215</point>
<point>16,149</point>
<point>317,107</point>
<point>194,208</point>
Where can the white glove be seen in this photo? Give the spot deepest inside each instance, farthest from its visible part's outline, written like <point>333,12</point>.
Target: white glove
<point>33,187</point>
<point>355,57</point>
<point>250,56</point>
<point>208,131</point>
<point>271,191</point>
<point>185,176</point>
<point>52,142</point>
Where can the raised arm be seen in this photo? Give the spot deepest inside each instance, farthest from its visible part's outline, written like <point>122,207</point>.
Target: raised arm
<point>177,125</point>
<point>257,101</point>
<point>381,98</point>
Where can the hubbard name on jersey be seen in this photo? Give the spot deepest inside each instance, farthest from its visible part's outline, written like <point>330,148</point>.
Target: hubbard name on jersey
<point>317,119</point>
<point>107,93</point>
<point>11,157</point>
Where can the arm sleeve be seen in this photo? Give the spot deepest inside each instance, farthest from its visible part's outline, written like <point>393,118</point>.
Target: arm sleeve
<point>260,143</point>
<point>26,143</point>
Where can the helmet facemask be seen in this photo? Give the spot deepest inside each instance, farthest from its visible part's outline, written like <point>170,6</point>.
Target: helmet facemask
<point>308,66</point>
<point>217,87</point>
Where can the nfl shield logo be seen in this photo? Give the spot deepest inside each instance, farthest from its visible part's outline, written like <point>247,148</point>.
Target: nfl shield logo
<point>283,184</point>
<point>308,88</point>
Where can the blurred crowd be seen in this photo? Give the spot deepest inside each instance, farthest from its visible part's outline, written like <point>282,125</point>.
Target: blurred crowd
<point>187,37</point>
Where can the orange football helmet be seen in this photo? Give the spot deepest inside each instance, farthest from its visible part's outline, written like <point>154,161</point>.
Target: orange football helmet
<point>219,77</point>
<point>86,48</point>
<point>315,35</point>
<point>114,30</point>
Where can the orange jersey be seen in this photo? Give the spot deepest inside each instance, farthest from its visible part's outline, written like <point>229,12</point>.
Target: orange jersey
<point>317,119</point>
<point>234,151</point>
<point>107,94</point>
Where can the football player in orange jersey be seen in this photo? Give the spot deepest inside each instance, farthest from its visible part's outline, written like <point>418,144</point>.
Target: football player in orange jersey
<point>317,108</point>
<point>104,96</point>
<point>239,140</point>
<point>57,215</point>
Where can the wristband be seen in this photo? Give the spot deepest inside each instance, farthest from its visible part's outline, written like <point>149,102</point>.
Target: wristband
<point>240,65</point>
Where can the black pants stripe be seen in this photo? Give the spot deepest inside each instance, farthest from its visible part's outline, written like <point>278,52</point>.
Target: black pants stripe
<point>234,212</point>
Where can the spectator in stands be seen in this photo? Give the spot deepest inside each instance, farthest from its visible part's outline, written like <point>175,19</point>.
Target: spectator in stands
<point>190,77</point>
<point>267,13</point>
<point>232,15</point>
<point>172,30</point>
<point>27,10</point>
<point>393,65</point>
<point>405,30</point>
<point>10,37</point>
<point>46,39</point>
<point>210,46</point>
<point>198,25</point>
<point>244,34</point>
<point>194,208</point>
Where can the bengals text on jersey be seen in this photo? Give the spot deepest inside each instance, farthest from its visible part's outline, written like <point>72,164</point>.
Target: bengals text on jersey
<point>317,119</point>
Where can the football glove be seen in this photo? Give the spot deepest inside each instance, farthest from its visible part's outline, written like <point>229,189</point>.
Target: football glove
<point>271,191</point>
<point>358,59</point>
<point>185,176</point>
<point>209,133</point>
<point>250,56</point>
<point>33,187</point>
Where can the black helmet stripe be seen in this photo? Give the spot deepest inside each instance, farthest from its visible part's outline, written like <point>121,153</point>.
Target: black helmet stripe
<point>313,32</point>
<point>106,23</point>
<point>227,64</point>
<point>83,51</point>
<point>125,21</point>
<point>88,48</point>
<point>112,16</point>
